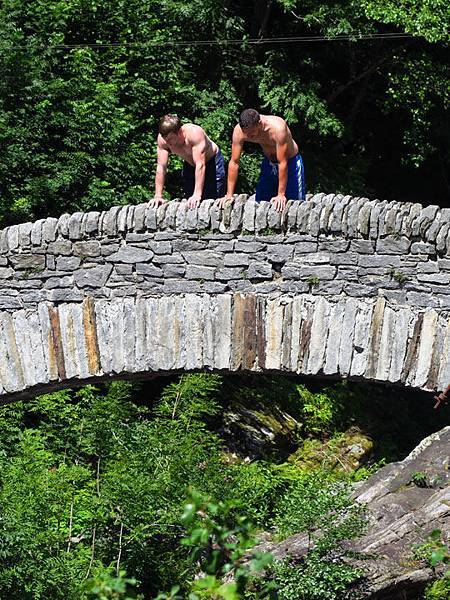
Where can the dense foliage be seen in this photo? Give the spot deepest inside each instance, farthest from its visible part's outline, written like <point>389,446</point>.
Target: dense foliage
<point>437,555</point>
<point>83,83</point>
<point>93,484</point>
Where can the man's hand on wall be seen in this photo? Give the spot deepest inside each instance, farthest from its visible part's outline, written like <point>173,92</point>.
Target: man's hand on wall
<point>441,398</point>
<point>279,202</point>
<point>222,202</point>
<point>194,201</point>
<point>156,201</point>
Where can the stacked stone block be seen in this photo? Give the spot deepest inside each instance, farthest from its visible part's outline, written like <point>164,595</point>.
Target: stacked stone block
<point>334,286</point>
<point>329,245</point>
<point>342,336</point>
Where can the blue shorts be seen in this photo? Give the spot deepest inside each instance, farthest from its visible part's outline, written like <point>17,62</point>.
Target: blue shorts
<point>214,186</point>
<point>267,186</point>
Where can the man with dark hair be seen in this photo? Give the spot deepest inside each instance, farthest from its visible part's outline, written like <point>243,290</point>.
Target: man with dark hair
<point>203,168</point>
<point>249,118</point>
<point>282,174</point>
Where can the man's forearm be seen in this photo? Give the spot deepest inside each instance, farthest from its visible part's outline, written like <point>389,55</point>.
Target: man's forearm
<point>233,169</point>
<point>160,178</point>
<point>199,178</point>
<point>442,397</point>
<point>282,178</point>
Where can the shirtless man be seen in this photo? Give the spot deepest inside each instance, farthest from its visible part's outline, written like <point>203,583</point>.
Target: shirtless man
<point>203,169</point>
<point>282,175</point>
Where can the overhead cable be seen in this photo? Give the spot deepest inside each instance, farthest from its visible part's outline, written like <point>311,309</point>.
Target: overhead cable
<point>217,42</point>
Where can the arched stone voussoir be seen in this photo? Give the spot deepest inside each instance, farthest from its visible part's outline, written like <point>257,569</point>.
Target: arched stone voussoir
<point>371,339</point>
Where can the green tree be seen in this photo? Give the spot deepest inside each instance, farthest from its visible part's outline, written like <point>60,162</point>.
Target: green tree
<point>78,124</point>
<point>221,539</point>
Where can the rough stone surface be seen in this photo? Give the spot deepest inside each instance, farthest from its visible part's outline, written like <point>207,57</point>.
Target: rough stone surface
<point>94,277</point>
<point>295,331</point>
<point>339,257</point>
<point>400,514</point>
<point>131,254</point>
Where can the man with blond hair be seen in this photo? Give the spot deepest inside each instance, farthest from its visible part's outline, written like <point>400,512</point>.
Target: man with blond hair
<point>203,168</point>
<point>282,175</point>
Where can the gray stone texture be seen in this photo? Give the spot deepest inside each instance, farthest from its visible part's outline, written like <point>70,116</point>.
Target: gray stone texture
<point>130,254</point>
<point>330,249</point>
<point>397,512</point>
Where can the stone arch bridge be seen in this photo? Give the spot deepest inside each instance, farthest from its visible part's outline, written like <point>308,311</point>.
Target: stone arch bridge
<point>334,286</point>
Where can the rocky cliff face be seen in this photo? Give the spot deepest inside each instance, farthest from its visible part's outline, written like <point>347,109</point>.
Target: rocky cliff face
<point>405,502</point>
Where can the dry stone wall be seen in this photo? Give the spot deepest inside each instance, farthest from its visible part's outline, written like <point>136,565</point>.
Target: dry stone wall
<point>335,286</point>
<point>327,246</point>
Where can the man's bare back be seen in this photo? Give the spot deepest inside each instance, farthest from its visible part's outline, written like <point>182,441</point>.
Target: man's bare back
<point>183,145</point>
<point>272,132</point>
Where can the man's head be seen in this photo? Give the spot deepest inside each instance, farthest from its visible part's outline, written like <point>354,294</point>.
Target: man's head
<point>249,120</point>
<point>169,126</point>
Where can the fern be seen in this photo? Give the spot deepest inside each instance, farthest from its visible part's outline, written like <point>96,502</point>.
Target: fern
<point>193,396</point>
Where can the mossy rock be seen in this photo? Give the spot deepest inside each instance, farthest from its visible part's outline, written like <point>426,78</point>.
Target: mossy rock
<point>344,452</point>
<point>261,431</point>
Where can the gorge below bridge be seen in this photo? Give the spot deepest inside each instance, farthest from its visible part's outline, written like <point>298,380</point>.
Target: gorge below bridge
<point>335,286</point>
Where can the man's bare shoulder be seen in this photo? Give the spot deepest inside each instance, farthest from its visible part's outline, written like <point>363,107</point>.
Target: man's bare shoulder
<point>238,135</point>
<point>276,123</point>
<point>194,133</point>
<point>278,128</point>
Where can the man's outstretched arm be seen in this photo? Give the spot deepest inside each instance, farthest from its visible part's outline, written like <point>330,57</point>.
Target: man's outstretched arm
<point>442,397</point>
<point>279,200</point>
<point>161,170</point>
<point>233,167</point>
<point>199,158</point>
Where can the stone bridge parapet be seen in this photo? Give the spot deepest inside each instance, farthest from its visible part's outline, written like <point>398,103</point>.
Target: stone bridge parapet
<point>328,245</point>
<point>336,285</point>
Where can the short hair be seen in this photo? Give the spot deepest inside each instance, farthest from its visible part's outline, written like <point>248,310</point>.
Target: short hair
<point>249,117</point>
<point>169,124</point>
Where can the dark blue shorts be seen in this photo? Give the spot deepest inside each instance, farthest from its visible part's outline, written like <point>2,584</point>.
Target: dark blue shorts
<point>267,186</point>
<point>214,186</point>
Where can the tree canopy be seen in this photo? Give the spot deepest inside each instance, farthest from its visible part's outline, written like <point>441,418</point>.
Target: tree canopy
<point>84,82</point>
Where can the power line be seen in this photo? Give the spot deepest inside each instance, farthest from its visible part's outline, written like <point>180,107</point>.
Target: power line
<point>230,42</point>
